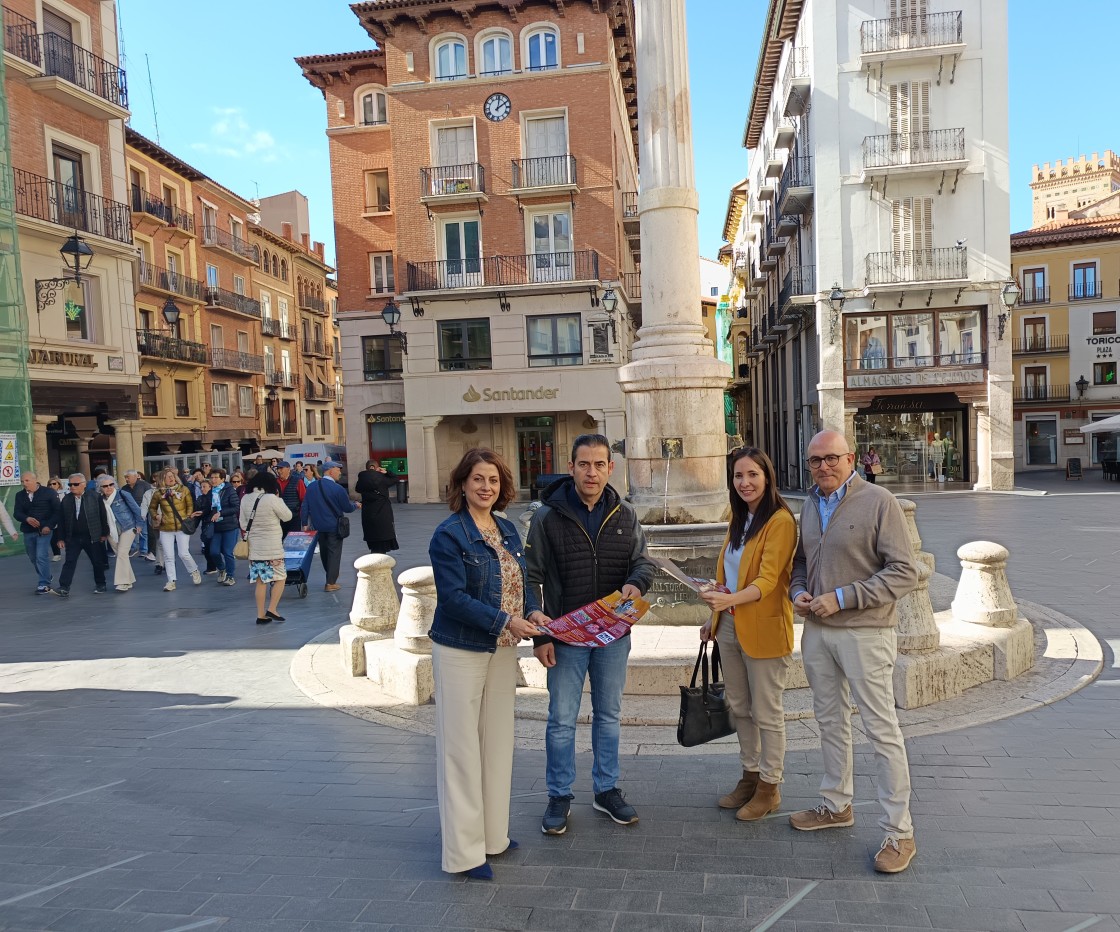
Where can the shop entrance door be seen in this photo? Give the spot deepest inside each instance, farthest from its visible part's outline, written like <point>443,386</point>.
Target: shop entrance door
<point>534,452</point>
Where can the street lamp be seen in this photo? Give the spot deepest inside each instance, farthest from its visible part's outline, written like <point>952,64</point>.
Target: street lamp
<point>836,301</point>
<point>1010,295</point>
<point>391,314</point>
<point>609,301</point>
<point>170,313</point>
<point>77,255</point>
<point>272,395</point>
<point>151,381</point>
<point>1082,384</point>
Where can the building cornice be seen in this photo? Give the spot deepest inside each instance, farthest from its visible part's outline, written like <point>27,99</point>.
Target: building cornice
<point>781,24</point>
<point>322,71</point>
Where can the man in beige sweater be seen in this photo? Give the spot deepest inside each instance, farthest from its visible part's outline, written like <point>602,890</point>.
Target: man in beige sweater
<point>854,561</point>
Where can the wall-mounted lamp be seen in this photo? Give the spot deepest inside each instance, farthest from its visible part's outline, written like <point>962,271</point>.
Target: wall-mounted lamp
<point>272,395</point>
<point>503,302</point>
<point>1081,384</point>
<point>836,301</point>
<point>170,313</point>
<point>417,310</point>
<point>77,255</point>
<point>1010,295</point>
<point>151,382</point>
<point>391,314</point>
<point>608,303</point>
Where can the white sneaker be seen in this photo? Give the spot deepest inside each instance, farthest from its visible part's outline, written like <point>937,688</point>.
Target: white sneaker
<point>221,576</point>
<point>196,578</point>
<point>169,586</point>
<point>123,588</point>
<point>150,557</point>
<point>56,558</point>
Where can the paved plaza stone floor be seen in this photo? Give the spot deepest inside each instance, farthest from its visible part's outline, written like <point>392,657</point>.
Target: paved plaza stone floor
<point>160,771</point>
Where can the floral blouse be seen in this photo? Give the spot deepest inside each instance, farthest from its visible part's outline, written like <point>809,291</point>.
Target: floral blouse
<point>513,585</point>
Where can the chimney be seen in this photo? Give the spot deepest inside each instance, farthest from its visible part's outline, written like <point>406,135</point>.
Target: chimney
<point>1061,214</point>
<point>318,249</point>
<point>306,238</point>
<point>286,230</point>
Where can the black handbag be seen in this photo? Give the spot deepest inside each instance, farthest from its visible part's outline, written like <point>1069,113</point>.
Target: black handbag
<point>705,714</point>
<point>343,527</point>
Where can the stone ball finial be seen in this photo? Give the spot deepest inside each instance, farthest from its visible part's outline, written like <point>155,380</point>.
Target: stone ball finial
<point>983,593</point>
<point>418,608</point>
<point>375,597</point>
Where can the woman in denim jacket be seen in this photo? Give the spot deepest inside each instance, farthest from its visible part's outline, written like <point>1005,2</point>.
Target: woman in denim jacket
<point>484,607</point>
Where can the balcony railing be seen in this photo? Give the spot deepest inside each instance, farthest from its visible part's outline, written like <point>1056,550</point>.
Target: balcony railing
<point>504,271</point>
<point>1042,393</point>
<point>221,358</point>
<point>152,276</point>
<point>231,301</point>
<point>795,81</point>
<point>895,150</point>
<point>546,172</point>
<point>310,302</point>
<point>145,203</point>
<point>1050,343</point>
<point>61,58</point>
<point>800,281</point>
<point>381,375</point>
<point>70,207</point>
<point>798,173</point>
<point>21,37</point>
<point>272,426</point>
<point>906,266</point>
<point>279,377</point>
<point>917,31</point>
<point>315,348</point>
<point>442,180</point>
<point>1084,291</point>
<point>1038,295</point>
<point>165,346</point>
<point>629,204</point>
<point>314,392</point>
<point>220,239</point>
<point>932,360</point>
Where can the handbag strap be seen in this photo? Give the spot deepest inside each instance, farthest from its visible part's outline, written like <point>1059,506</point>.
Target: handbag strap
<point>253,513</point>
<point>701,667</point>
<point>326,501</point>
<point>717,664</point>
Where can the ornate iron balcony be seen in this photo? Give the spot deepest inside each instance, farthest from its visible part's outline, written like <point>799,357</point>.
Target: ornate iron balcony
<point>73,208</point>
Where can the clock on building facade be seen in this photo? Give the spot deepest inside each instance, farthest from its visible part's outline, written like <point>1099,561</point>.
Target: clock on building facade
<point>497,107</point>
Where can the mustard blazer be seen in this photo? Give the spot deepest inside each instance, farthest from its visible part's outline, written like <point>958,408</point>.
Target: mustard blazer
<point>765,627</point>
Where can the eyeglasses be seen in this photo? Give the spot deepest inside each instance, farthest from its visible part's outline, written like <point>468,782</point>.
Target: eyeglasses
<point>108,485</point>
<point>74,484</point>
<point>831,459</point>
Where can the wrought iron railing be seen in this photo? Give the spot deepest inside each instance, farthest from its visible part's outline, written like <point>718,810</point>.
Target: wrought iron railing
<point>904,266</point>
<point>1049,343</point>
<point>892,150</point>
<point>315,348</point>
<point>221,358</point>
<point>310,302</point>
<point>1084,291</point>
<point>797,66</point>
<point>1042,393</point>
<point>63,59</point>
<point>798,173</point>
<point>632,284</point>
<point>220,239</point>
<point>165,346</point>
<point>315,392</point>
<point>917,31</point>
<point>145,203</point>
<point>800,280</point>
<point>21,37</point>
<point>153,276</point>
<point>231,301</point>
<point>70,207</point>
<point>279,377</point>
<point>937,360</point>
<point>440,180</point>
<point>544,172</point>
<point>629,204</point>
<point>495,271</point>
<point>1035,295</point>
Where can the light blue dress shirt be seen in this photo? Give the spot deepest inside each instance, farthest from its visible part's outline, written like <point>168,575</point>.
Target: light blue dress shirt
<point>825,508</point>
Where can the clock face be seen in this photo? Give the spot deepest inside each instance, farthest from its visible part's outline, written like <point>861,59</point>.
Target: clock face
<point>497,107</point>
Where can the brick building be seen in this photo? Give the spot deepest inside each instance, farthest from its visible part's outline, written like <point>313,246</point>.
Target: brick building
<point>68,101</point>
<point>485,174</point>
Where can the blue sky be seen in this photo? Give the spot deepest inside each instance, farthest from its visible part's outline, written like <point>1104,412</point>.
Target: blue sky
<point>231,101</point>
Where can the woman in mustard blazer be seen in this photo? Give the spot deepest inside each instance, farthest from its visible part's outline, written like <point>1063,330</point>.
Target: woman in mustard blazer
<point>753,626</point>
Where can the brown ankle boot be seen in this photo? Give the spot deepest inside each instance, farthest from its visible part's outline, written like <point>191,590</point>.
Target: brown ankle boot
<point>742,793</point>
<point>766,799</point>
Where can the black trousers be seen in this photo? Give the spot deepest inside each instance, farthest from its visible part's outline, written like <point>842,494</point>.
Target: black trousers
<point>330,552</point>
<point>94,549</point>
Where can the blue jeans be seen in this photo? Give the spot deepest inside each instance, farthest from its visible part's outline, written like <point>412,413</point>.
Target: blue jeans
<point>142,539</point>
<point>221,549</point>
<point>607,668</point>
<point>38,547</point>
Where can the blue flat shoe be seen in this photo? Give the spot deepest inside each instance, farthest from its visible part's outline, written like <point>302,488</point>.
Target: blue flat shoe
<point>512,846</point>
<point>483,872</point>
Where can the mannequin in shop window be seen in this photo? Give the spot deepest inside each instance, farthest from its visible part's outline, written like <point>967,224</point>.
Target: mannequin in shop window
<point>937,458</point>
<point>950,456</point>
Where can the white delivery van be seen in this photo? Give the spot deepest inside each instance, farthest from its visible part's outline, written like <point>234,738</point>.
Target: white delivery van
<point>317,453</point>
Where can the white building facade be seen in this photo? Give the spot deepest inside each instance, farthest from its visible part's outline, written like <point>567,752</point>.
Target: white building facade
<point>875,238</point>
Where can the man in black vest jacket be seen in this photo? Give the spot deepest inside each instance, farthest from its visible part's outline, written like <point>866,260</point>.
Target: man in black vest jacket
<point>82,526</point>
<point>583,544</point>
<point>37,513</point>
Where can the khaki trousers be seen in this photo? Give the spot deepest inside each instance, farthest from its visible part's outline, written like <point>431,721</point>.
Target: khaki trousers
<point>841,663</point>
<point>122,569</point>
<point>474,751</point>
<point>754,690</point>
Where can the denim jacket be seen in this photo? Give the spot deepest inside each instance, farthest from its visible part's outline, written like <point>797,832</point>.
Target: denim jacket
<point>468,580</point>
<point>126,513</point>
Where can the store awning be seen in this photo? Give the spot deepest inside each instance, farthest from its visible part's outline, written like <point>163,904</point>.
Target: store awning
<point>1108,425</point>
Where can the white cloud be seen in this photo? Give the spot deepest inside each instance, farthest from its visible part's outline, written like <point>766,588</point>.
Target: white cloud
<point>232,136</point>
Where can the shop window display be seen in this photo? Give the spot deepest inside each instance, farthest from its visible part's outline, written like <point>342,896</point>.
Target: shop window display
<point>913,340</point>
<point>916,447</point>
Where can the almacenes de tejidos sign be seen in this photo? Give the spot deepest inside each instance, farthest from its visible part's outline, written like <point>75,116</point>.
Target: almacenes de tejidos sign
<point>916,378</point>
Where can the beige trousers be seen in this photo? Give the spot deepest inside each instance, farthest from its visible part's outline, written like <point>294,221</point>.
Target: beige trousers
<point>474,751</point>
<point>122,570</point>
<point>841,663</point>
<point>754,690</point>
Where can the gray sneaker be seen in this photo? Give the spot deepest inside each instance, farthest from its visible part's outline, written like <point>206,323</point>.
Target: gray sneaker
<point>555,821</point>
<point>196,578</point>
<point>614,804</point>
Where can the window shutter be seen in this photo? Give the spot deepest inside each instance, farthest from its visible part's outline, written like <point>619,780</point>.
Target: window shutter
<point>919,107</point>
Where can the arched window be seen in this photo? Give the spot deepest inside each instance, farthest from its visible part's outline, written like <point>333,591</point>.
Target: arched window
<point>283,270</point>
<point>542,49</point>
<point>275,267</point>
<point>495,54</point>
<point>449,59</point>
<point>256,254</point>
<point>264,261</point>
<point>373,109</point>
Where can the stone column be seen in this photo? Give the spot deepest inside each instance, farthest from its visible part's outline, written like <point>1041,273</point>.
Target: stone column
<point>83,456</point>
<point>373,613</point>
<point>431,461</point>
<point>675,444</point>
<point>130,444</point>
<point>40,450</point>
<point>983,449</point>
<point>418,608</point>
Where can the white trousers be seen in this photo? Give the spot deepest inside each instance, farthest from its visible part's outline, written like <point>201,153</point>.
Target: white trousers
<point>474,751</point>
<point>122,569</point>
<point>169,542</point>
<point>754,690</point>
<point>842,663</point>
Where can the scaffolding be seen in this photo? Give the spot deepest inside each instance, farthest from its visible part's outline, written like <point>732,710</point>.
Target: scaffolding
<point>15,388</point>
